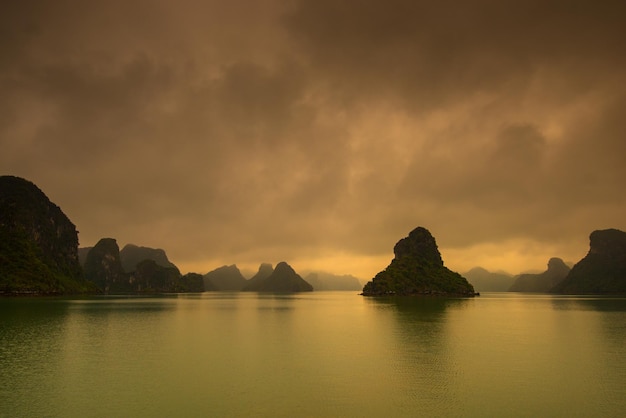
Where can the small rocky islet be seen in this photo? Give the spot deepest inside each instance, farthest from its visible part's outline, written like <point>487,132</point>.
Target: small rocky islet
<point>417,269</point>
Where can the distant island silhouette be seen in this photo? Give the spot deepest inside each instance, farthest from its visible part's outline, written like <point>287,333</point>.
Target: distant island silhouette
<point>282,279</point>
<point>39,255</point>
<point>542,282</point>
<point>484,280</point>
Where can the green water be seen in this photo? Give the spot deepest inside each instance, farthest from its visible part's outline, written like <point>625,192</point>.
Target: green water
<point>320,354</point>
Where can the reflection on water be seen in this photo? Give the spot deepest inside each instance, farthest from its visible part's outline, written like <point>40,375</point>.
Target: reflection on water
<point>590,303</point>
<point>424,365</point>
<point>30,343</point>
<point>317,354</point>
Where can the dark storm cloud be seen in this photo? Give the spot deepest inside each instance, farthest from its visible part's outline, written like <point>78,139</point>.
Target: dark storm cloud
<point>244,132</point>
<point>430,53</point>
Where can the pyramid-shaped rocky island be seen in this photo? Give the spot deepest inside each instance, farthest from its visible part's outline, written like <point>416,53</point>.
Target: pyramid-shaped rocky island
<point>417,269</point>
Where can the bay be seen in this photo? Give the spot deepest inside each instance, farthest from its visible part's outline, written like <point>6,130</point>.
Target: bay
<point>319,354</point>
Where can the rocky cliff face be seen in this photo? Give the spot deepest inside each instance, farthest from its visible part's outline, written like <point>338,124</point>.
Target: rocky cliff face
<point>602,270</point>
<point>419,245</point>
<point>282,279</point>
<point>417,269</point>
<point>38,243</point>
<point>149,277</point>
<point>131,255</point>
<point>543,282</point>
<point>104,268</point>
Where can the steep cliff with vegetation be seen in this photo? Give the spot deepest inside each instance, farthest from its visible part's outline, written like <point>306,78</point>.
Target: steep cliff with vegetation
<point>131,255</point>
<point>417,269</point>
<point>38,243</point>
<point>149,277</point>
<point>104,268</point>
<point>190,283</point>
<point>602,270</point>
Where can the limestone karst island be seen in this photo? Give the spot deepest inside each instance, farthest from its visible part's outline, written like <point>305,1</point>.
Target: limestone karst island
<point>417,269</point>
<point>39,255</point>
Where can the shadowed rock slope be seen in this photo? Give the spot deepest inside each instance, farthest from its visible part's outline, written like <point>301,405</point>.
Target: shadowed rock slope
<point>542,282</point>
<point>602,270</point>
<point>103,267</point>
<point>38,243</point>
<point>417,269</point>
<point>131,255</point>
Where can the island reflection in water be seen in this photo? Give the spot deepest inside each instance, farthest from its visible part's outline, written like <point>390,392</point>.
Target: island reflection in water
<point>317,354</point>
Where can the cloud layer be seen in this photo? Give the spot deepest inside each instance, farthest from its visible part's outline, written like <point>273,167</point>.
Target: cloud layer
<point>321,132</point>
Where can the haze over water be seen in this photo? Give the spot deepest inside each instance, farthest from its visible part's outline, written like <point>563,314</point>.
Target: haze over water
<point>315,354</point>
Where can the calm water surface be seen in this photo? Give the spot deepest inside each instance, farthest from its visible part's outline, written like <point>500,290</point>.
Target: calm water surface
<point>320,354</point>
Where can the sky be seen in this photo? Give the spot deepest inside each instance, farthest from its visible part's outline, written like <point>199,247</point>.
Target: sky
<point>321,132</point>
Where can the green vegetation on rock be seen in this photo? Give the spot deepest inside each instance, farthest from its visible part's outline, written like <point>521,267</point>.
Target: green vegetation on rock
<point>38,243</point>
<point>103,266</point>
<point>149,277</point>
<point>417,269</point>
<point>190,283</point>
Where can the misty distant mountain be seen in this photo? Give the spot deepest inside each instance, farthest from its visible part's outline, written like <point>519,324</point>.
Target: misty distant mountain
<point>321,280</point>
<point>82,255</point>
<point>417,269</point>
<point>486,281</point>
<point>602,270</point>
<point>265,270</point>
<point>131,255</point>
<point>542,282</point>
<point>226,278</point>
<point>282,279</point>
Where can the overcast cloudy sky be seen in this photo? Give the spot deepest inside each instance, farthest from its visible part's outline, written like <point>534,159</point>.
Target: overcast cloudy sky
<point>321,132</point>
